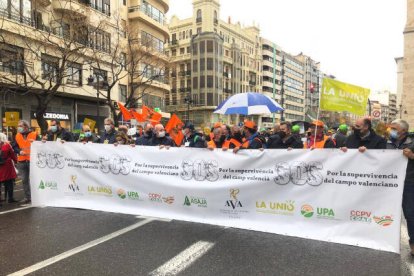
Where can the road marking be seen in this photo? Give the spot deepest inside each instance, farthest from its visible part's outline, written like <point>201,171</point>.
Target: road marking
<point>184,259</point>
<point>154,218</point>
<point>15,210</point>
<point>79,249</point>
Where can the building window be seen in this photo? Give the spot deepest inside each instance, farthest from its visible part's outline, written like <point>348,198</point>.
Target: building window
<point>210,64</point>
<point>123,60</point>
<point>195,82</point>
<point>199,30</point>
<point>210,81</point>
<point>122,93</point>
<point>202,81</point>
<point>202,64</point>
<point>100,77</point>
<point>100,40</point>
<point>195,65</point>
<point>103,6</point>
<point>210,47</point>
<point>195,47</point>
<point>152,12</point>
<point>202,47</point>
<point>50,67</point>
<point>199,16</point>
<point>151,41</point>
<point>182,51</point>
<point>11,59</point>
<point>74,74</point>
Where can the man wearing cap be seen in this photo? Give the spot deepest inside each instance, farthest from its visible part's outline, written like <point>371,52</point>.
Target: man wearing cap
<point>284,139</point>
<point>317,139</point>
<point>252,138</point>
<point>341,135</point>
<point>145,139</point>
<point>191,138</point>
<point>364,137</point>
<point>218,140</point>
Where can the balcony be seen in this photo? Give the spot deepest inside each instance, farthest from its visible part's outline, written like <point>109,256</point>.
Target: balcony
<point>227,90</point>
<point>71,7</point>
<point>146,15</point>
<point>174,42</point>
<point>252,83</point>
<point>199,20</point>
<point>181,73</point>
<point>44,3</point>
<point>226,74</point>
<point>174,74</point>
<point>183,89</point>
<point>188,73</point>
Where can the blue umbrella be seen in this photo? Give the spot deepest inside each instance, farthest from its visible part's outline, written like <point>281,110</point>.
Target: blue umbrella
<point>249,103</point>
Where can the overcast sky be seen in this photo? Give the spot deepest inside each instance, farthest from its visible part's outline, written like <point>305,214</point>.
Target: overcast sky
<point>355,40</point>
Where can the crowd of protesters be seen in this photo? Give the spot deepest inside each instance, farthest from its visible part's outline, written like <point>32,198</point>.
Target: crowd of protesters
<point>15,155</point>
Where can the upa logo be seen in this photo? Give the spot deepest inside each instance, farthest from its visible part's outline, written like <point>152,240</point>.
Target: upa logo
<point>307,211</point>
<point>121,193</point>
<point>384,220</point>
<point>234,202</point>
<point>325,213</point>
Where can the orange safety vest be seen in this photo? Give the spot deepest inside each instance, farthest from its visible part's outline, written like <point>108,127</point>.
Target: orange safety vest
<point>24,145</point>
<point>227,143</point>
<point>211,144</point>
<point>318,144</point>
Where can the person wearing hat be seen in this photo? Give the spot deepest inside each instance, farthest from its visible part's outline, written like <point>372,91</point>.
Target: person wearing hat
<point>145,139</point>
<point>253,140</point>
<point>341,135</point>
<point>191,138</point>
<point>317,139</point>
<point>284,139</point>
<point>364,137</point>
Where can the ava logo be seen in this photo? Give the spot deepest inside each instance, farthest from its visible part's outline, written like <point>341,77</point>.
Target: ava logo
<point>361,216</point>
<point>154,197</point>
<point>121,193</point>
<point>384,220</point>
<point>73,186</point>
<point>168,199</point>
<point>47,185</point>
<point>307,211</point>
<point>198,201</point>
<point>234,202</point>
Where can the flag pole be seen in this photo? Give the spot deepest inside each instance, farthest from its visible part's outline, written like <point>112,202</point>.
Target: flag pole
<point>319,110</point>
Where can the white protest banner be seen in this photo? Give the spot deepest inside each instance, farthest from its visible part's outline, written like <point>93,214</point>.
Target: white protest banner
<point>350,198</point>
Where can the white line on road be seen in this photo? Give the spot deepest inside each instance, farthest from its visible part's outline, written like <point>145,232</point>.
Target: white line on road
<point>184,259</point>
<point>15,210</point>
<point>155,218</point>
<point>79,249</point>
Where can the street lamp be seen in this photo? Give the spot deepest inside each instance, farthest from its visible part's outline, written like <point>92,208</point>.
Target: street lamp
<point>282,89</point>
<point>91,82</point>
<point>189,102</point>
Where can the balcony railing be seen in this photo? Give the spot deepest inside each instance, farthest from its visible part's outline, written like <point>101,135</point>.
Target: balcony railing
<point>158,17</point>
<point>227,90</point>
<point>252,83</point>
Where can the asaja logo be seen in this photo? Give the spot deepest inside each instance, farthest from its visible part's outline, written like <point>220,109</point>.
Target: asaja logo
<point>234,202</point>
<point>121,193</point>
<point>384,220</point>
<point>361,216</point>
<point>278,208</point>
<point>198,201</point>
<point>47,185</point>
<point>307,211</point>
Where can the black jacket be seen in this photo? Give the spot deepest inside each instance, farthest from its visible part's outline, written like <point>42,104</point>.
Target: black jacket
<point>195,141</point>
<point>165,141</point>
<point>275,142</point>
<point>144,140</point>
<point>62,134</point>
<point>408,142</point>
<point>340,139</point>
<point>108,138</point>
<point>373,141</point>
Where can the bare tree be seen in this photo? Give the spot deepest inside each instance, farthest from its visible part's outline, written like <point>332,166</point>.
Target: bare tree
<point>139,60</point>
<point>59,45</point>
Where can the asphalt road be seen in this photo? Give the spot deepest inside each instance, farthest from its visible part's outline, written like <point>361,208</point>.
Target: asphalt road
<point>53,241</point>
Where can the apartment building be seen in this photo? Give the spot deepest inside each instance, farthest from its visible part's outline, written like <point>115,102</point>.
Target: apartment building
<point>211,59</point>
<point>79,48</point>
<point>407,103</point>
<point>283,80</point>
